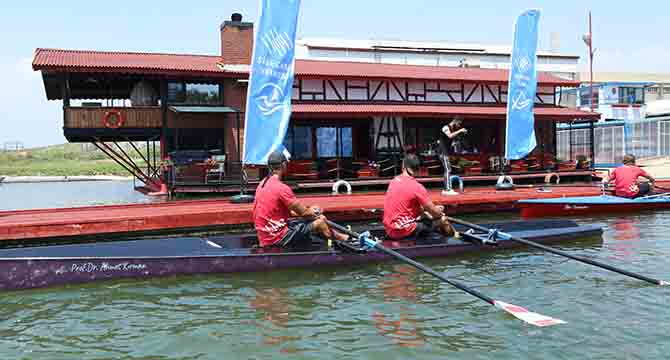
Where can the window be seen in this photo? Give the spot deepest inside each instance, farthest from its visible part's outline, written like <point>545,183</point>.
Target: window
<point>327,139</point>
<point>298,141</point>
<point>346,139</point>
<point>176,92</point>
<point>585,96</point>
<point>631,95</point>
<point>326,142</point>
<point>193,94</point>
<point>202,94</point>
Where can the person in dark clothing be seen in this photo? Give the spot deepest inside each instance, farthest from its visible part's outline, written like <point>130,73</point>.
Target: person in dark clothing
<point>448,136</point>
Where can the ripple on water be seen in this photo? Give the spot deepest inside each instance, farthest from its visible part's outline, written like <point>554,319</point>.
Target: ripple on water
<point>381,311</point>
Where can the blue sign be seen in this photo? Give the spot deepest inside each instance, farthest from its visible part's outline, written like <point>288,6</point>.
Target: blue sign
<point>271,80</point>
<point>520,129</point>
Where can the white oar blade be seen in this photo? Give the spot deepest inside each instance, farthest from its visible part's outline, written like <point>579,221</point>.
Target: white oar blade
<point>527,316</point>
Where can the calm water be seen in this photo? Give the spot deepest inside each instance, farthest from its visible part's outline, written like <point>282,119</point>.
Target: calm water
<point>66,194</point>
<point>383,311</point>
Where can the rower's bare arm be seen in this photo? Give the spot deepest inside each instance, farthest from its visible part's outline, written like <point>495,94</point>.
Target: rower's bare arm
<point>433,210</point>
<point>300,210</point>
<point>651,178</point>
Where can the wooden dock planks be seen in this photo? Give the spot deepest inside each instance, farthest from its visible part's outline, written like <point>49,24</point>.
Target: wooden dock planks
<point>114,219</point>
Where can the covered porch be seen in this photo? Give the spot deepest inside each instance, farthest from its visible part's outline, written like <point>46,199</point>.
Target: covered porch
<point>362,143</point>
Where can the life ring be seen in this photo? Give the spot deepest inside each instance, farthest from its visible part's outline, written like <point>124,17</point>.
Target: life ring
<point>338,184</point>
<point>113,119</point>
<point>458,180</point>
<point>505,182</point>
<point>552,176</point>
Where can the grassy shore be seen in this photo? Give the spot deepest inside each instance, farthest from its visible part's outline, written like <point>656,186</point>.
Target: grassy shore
<point>59,160</point>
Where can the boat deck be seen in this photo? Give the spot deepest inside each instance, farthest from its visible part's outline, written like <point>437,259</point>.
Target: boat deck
<point>42,266</point>
<point>220,213</point>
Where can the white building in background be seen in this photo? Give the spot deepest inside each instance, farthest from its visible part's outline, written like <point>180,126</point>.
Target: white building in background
<point>430,54</point>
<point>623,96</point>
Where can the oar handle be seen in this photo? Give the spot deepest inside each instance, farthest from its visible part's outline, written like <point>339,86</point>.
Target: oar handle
<point>563,253</point>
<point>342,229</point>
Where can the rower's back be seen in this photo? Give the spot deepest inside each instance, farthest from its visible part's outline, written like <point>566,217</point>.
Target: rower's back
<point>271,210</point>
<point>403,203</point>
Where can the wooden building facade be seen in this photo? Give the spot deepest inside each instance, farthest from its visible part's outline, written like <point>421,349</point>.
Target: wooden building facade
<point>350,120</point>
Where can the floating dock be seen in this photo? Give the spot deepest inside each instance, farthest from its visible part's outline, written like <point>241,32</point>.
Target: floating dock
<point>200,215</point>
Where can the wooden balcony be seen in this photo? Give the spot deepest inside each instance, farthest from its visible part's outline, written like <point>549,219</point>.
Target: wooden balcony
<point>93,117</point>
<point>87,124</point>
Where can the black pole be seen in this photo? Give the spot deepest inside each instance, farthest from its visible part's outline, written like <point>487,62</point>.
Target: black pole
<point>563,253</point>
<point>416,264</point>
<point>241,198</point>
<point>239,146</point>
<point>592,145</point>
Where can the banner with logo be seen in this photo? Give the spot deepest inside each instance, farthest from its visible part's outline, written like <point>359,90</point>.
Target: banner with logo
<point>520,129</point>
<point>271,80</point>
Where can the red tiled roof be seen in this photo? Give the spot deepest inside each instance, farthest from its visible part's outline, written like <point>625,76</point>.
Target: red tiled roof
<point>365,110</point>
<point>153,63</point>
<point>126,62</point>
<point>312,68</point>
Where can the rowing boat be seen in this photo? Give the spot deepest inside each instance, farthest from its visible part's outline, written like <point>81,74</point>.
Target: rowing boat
<point>42,266</point>
<point>586,205</point>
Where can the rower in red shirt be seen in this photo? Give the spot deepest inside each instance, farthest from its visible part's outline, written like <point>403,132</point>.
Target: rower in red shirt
<point>626,177</point>
<point>273,205</point>
<point>405,201</point>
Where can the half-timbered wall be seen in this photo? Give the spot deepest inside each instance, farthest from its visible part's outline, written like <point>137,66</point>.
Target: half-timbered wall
<point>407,91</point>
<point>385,141</point>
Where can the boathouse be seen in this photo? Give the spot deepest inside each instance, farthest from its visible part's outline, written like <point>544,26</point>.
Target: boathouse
<point>351,119</point>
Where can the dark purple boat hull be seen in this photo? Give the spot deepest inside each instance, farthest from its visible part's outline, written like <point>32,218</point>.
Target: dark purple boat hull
<point>38,267</point>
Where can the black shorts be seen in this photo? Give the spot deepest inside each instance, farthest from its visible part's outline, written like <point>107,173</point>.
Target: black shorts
<point>300,235</point>
<point>426,232</point>
<point>645,188</point>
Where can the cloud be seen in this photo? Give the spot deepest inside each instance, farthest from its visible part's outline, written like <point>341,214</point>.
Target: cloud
<point>26,114</point>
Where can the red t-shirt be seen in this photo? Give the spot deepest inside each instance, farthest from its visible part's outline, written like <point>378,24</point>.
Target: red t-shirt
<point>271,210</point>
<point>625,180</point>
<point>403,204</point>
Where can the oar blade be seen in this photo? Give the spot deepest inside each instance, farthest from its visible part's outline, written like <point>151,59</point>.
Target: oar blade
<point>527,316</point>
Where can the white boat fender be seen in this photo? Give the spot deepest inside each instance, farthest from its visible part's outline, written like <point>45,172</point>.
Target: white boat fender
<point>458,181</point>
<point>505,182</point>
<point>551,176</point>
<point>338,184</point>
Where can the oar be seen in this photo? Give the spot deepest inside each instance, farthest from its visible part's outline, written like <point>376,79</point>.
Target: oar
<point>561,253</point>
<point>661,188</point>
<point>516,311</point>
<point>654,196</point>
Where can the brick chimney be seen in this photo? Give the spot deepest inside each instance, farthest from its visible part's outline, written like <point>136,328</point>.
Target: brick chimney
<point>237,40</point>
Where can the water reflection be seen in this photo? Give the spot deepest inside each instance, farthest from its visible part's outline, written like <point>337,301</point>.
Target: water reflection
<point>405,330</point>
<point>274,313</point>
<point>626,236</point>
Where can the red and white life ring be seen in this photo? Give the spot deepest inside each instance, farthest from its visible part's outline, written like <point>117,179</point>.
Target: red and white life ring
<point>113,119</point>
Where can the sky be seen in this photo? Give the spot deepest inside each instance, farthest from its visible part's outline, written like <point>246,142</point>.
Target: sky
<point>626,37</point>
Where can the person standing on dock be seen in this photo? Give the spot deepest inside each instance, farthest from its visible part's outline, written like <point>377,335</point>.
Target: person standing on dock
<point>274,203</point>
<point>626,177</point>
<point>404,203</point>
<point>448,139</point>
